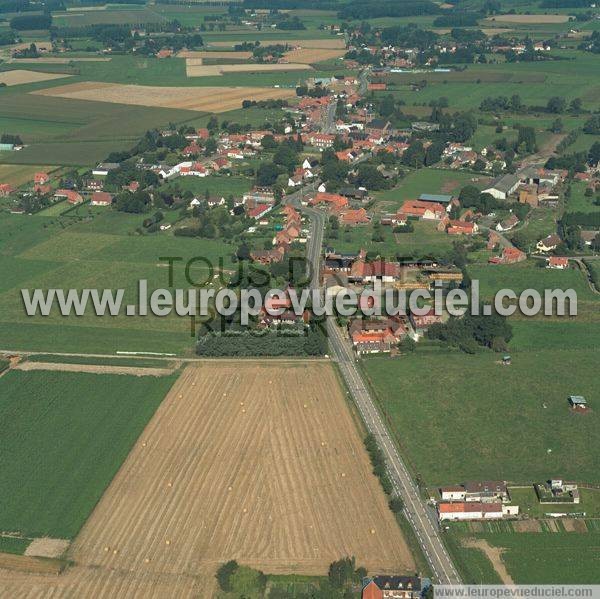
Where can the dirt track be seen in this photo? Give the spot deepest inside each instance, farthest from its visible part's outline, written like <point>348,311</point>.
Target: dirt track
<point>494,554</point>
<point>259,463</point>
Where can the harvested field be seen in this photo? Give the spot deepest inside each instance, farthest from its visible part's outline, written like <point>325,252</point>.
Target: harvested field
<point>47,547</point>
<point>287,489</point>
<point>312,55</point>
<point>336,42</point>
<point>23,563</point>
<point>94,368</point>
<point>193,69</point>
<point>527,526</point>
<point>216,54</point>
<point>529,19</point>
<point>19,77</point>
<point>202,99</point>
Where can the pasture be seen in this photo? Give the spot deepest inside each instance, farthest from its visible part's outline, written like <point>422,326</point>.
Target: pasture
<point>95,250</point>
<point>66,434</point>
<point>481,418</point>
<point>288,490</point>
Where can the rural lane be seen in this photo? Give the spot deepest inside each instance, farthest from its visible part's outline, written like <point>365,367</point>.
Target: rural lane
<point>419,514</point>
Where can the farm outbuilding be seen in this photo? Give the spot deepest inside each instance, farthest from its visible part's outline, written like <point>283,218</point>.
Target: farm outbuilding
<point>577,401</point>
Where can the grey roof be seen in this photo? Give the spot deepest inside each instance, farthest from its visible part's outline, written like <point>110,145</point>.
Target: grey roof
<point>435,197</point>
<point>505,183</point>
<point>577,400</point>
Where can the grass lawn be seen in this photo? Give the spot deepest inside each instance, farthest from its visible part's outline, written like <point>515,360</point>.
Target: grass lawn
<point>65,436</point>
<point>426,180</point>
<point>465,417</point>
<point>579,202</point>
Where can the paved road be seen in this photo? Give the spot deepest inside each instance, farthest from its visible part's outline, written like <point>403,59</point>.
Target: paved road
<point>419,514</point>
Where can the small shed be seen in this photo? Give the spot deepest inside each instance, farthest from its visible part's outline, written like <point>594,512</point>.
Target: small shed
<point>577,401</point>
<point>506,360</point>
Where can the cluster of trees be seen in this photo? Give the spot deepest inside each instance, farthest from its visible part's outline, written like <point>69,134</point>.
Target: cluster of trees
<point>27,22</point>
<point>235,578</point>
<point>592,125</point>
<point>137,202</point>
<point>471,332</point>
<point>417,156</point>
<point>290,24</point>
<point>275,50</point>
<point>378,462</point>
<point>286,157</point>
<point>576,162</point>
<point>214,223</point>
<point>589,220</point>
<point>286,341</point>
<point>555,105</point>
<point>457,19</point>
<point>357,9</point>
<point>272,103</point>
<point>409,36</point>
<point>7,38</point>
<point>9,138</point>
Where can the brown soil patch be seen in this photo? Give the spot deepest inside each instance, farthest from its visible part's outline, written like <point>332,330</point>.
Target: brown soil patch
<point>20,77</point>
<point>333,42</point>
<point>203,99</point>
<point>574,525</point>
<point>95,368</point>
<point>450,186</point>
<point>496,31</point>
<point>526,526</point>
<point>494,554</point>
<point>193,69</point>
<point>47,547</point>
<point>313,55</point>
<point>530,19</point>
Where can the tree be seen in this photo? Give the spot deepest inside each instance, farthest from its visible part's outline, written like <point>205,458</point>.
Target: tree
<point>526,140</point>
<point>576,105</point>
<point>267,174</point>
<point>225,573</point>
<point>414,155</point>
<point>594,154</point>
<point>592,125</point>
<point>557,126</point>
<point>556,105</point>
<point>469,195</point>
<point>396,504</point>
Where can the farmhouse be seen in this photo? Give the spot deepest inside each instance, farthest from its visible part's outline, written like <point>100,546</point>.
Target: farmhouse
<point>71,196</point>
<point>508,223</point>
<point>480,492</point>
<point>101,198</point>
<point>422,322</point>
<point>548,243</point>
<point>503,187</point>
<point>5,189</point>
<point>392,587</point>
<point>369,272</point>
<point>557,262</point>
<point>41,178</point>
<point>475,511</point>
<point>462,227</point>
<point>423,210</point>
<point>509,255</point>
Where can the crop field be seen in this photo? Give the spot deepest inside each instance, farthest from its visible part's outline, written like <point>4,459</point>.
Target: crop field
<point>206,99</point>
<point>97,419</point>
<point>313,55</point>
<point>77,132</point>
<point>484,417</point>
<point>550,552</point>
<point>288,489</point>
<point>528,19</point>
<point>19,77</point>
<point>95,250</point>
<point>16,174</point>
<point>198,69</point>
<point>214,54</point>
<point>326,43</point>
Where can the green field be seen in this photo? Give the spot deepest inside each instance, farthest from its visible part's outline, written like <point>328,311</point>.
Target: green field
<point>97,250</point>
<point>551,556</point>
<point>65,435</point>
<point>466,417</point>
